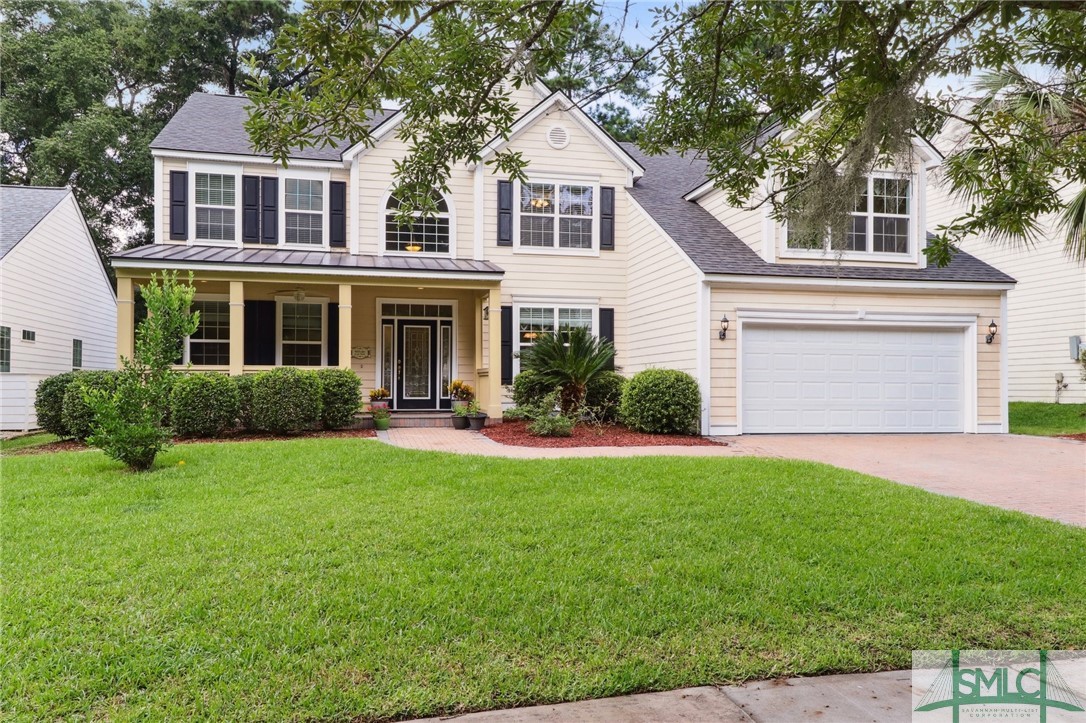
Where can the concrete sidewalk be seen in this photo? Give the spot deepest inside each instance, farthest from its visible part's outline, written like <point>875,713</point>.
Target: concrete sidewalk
<point>867,698</point>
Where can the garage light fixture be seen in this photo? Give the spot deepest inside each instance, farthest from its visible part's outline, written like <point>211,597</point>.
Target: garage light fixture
<point>992,328</point>
<point>724,327</point>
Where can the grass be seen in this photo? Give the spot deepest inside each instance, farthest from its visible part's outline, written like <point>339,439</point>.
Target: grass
<point>1044,419</point>
<point>332,579</point>
<point>26,441</point>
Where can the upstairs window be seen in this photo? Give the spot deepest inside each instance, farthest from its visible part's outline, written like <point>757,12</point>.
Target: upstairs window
<point>209,345</point>
<point>880,223</point>
<point>304,204</point>
<point>216,204</point>
<point>557,216</point>
<point>425,234</point>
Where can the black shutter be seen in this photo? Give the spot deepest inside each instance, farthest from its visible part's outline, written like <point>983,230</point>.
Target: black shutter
<point>607,218</point>
<point>333,334</point>
<point>505,213</point>
<point>260,332</point>
<point>337,209</point>
<point>179,205</point>
<point>507,345</point>
<point>250,209</point>
<point>269,210</point>
<point>607,330</point>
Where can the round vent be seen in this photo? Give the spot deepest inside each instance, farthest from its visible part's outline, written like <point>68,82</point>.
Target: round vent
<point>558,137</point>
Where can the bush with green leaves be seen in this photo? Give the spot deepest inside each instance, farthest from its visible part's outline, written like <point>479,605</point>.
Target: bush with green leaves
<point>603,396</point>
<point>244,384</point>
<point>552,425</point>
<point>49,403</point>
<point>662,401</point>
<point>286,400</point>
<point>203,404</point>
<point>129,420</point>
<point>341,396</point>
<point>529,388</point>
<point>77,416</point>
<point>568,360</point>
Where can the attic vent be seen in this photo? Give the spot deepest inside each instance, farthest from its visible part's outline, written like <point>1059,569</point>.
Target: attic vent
<point>558,137</point>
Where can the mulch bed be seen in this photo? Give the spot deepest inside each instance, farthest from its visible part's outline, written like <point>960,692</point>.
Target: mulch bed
<point>71,445</point>
<point>1076,437</point>
<point>587,435</point>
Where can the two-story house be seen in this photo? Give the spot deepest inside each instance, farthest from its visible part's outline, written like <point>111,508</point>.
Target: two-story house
<point>305,265</point>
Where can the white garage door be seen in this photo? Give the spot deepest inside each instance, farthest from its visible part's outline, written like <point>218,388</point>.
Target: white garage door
<point>823,379</point>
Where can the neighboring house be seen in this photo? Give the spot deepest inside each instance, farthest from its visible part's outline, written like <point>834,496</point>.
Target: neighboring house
<point>58,311</point>
<point>305,266</point>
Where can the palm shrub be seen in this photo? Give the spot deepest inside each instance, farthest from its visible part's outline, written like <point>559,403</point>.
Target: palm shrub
<point>568,360</point>
<point>662,401</point>
<point>204,404</point>
<point>49,403</point>
<point>341,396</point>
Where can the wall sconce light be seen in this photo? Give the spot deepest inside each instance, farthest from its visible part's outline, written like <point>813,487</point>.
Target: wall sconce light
<point>486,312</point>
<point>992,328</point>
<point>724,326</point>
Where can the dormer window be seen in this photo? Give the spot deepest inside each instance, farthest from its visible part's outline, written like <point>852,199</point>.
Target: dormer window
<point>428,234</point>
<point>882,222</point>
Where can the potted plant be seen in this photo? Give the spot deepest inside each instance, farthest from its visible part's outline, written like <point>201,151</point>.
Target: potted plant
<point>460,393</point>
<point>460,417</point>
<point>379,398</point>
<point>476,418</point>
<point>382,417</point>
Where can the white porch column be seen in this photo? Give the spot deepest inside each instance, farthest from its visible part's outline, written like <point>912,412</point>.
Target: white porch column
<point>345,295</point>
<point>126,318</point>
<point>237,327</point>
<point>494,363</point>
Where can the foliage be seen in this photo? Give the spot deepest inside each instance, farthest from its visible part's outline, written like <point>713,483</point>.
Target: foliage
<point>379,394</point>
<point>518,414</point>
<point>552,425</point>
<point>472,408</point>
<point>662,401</point>
<point>203,404</point>
<point>341,397</point>
<point>49,403</point>
<point>381,413</point>
<point>1047,419</point>
<point>530,388</point>
<point>604,395</point>
<point>1082,365</point>
<point>461,392</point>
<point>244,384</point>
<point>76,415</point>
<point>568,360</point>
<point>286,400</point>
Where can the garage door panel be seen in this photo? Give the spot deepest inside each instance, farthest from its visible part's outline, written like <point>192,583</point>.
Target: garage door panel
<point>822,379</point>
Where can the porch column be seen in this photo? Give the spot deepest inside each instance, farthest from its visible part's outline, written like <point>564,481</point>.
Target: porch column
<point>126,318</point>
<point>345,295</point>
<point>237,327</point>
<point>494,346</point>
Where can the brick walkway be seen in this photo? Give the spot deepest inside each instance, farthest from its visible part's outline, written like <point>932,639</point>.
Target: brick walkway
<point>1036,475</point>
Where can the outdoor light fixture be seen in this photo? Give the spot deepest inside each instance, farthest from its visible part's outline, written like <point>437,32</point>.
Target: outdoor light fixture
<point>486,313</point>
<point>992,328</point>
<point>724,327</point>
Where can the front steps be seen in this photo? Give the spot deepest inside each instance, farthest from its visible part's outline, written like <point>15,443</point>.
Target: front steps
<point>409,419</point>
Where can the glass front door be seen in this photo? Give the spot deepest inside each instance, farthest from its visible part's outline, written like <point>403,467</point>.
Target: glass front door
<point>416,364</point>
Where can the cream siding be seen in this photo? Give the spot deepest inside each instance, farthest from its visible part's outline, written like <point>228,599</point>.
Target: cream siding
<point>746,223</point>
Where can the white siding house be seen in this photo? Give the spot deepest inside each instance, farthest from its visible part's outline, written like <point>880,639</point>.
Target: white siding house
<point>58,311</point>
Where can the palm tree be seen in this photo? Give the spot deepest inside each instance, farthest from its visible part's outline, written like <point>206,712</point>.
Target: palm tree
<point>569,360</point>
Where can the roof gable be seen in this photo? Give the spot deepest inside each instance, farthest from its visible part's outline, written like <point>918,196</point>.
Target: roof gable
<point>22,208</point>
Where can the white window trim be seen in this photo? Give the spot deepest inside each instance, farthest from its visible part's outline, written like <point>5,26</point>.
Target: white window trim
<point>390,384</point>
<point>556,250</point>
<point>279,301</point>
<point>915,217</point>
<point>325,177</point>
<point>382,212</point>
<point>186,357</point>
<point>80,365</point>
<point>224,170</point>
<point>555,305</point>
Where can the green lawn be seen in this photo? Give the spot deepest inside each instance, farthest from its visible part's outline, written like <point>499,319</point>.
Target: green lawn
<point>7,446</point>
<point>328,579</point>
<point>1046,419</point>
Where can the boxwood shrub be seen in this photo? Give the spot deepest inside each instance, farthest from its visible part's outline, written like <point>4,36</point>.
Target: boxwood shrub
<point>203,404</point>
<point>662,401</point>
<point>49,403</point>
<point>529,389</point>
<point>76,415</point>
<point>286,400</point>
<point>244,383</point>
<point>603,397</point>
<point>341,396</point>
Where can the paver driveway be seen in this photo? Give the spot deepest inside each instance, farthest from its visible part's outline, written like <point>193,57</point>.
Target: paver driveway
<point>1039,475</point>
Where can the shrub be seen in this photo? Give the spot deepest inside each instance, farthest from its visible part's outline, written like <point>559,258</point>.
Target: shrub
<point>529,388</point>
<point>244,384</point>
<point>662,401</point>
<point>341,396</point>
<point>518,414</point>
<point>568,360</point>
<point>129,420</point>
<point>461,392</point>
<point>286,400</point>
<point>49,403</point>
<point>204,404</point>
<point>552,426</point>
<point>604,395</point>
<point>77,415</point>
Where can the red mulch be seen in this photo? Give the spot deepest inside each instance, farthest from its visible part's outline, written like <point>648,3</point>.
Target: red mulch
<point>71,445</point>
<point>1076,437</point>
<point>587,435</point>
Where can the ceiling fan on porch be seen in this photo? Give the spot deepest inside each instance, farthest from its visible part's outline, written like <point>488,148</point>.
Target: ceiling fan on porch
<point>298,294</point>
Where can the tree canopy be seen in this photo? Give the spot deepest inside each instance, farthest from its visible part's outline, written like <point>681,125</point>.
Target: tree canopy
<point>845,80</point>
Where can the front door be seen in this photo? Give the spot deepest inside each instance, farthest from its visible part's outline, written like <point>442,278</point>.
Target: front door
<point>416,364</point>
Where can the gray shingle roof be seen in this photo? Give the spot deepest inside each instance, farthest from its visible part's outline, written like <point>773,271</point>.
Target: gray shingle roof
<point>22,208</point>
<point>716,250</point>
<point>209,123</point>
<point>176,253</point>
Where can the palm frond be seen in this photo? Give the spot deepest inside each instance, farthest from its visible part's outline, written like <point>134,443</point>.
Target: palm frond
<point>1073,221</point>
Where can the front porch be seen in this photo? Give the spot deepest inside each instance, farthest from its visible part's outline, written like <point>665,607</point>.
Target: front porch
<point>411,336</point>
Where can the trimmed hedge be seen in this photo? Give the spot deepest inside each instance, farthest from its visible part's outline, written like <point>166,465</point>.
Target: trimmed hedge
<point>76,415</point>
<point>529,390</point>
<point>286,400</point>
<point>203,404</point>
<point>341,396</point>
<point>603,397</point>
<point>49,403</point>
<point>662,401</point>
<point>244,384</point>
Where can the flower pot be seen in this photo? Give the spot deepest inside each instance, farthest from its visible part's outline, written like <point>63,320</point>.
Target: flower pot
<point>378,404</point>
<point>460,421</point>
<point>381,425</point>
<point>477,422</point>
<point>459,404</point>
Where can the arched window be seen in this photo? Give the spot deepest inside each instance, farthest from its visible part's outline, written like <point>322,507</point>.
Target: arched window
<point>426,234</point>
